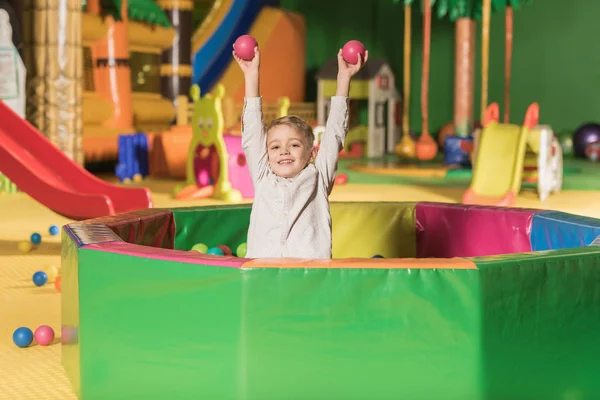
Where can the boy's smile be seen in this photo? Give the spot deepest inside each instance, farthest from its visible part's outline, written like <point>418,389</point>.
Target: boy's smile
<point>288,150</point>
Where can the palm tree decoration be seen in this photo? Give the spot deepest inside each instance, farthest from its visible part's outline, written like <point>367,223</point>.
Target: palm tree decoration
<point>508,44</point>
<point>426,147</point>
<point>463,14</point>
<point>406,147</point>
<point>485,54</point>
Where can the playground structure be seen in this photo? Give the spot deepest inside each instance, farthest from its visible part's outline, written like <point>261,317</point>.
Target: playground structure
<point>505,155</point>
<point>43,171</point>
<point>169,150</point>
<point>216,164</point>
<point>472,286</point>
<point>375,85</point>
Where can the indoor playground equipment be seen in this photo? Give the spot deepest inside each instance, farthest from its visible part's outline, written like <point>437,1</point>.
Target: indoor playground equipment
<point>216,164</point>
<point>506,154</point>
<point>473,296</point>
<point>375,84</point>
<point>44,172</point>
<point>282,38</point>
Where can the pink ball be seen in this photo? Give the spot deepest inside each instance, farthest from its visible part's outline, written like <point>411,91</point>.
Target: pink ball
<point>351,50</point>
<point>225,249</point>
<point>44,335</point>
<point>244,47</point>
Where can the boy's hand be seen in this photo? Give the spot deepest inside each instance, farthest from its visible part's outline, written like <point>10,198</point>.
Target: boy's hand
<point>249,67</point>
<point>346,70</point>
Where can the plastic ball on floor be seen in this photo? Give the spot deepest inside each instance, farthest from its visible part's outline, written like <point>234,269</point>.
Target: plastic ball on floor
<point>377,256</point>
<point>44,335</point>
<point>341,179</point>
<point>52,272</point>
<point>200,248</point>
<point>69,334</point>
<point>24,246</point>
<point>225,249</point>
<point>58,283</point>
<point>215,251</point>
<point>36,238</point>
<point>54,230</point>
<point>241,250</point>
<point>40,278</point>
<point>22,336</point>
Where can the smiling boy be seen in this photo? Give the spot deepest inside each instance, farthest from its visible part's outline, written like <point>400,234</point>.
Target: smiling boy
<point>290,214</point>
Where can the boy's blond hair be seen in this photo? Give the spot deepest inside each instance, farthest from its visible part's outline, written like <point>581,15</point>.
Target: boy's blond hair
<point>296,123</point>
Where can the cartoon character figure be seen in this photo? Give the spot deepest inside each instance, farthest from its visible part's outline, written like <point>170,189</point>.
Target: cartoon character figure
<point>208,158</point>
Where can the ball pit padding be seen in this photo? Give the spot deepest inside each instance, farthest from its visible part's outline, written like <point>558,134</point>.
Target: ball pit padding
<point>449,230</point>
<point>373,228</point>
<point>557,230</point>
<point>490,327</point>
<point>213,226</point>
<point>145,227</point>
<point>434,263</point>
<point>173,255</point>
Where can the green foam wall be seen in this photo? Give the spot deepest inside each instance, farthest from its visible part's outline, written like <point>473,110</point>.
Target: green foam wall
<point>155,330</point>
<point>70,310</point>
<point>212,226</point>
<point>541,318</point>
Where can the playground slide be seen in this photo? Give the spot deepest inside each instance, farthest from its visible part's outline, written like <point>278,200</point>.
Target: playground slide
<point>211,44</point>
<point>497,173</point>
<point>280,34</point>
<point>43,171</point>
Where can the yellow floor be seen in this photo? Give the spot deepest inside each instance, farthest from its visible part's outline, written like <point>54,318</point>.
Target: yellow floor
<point>36,373</point>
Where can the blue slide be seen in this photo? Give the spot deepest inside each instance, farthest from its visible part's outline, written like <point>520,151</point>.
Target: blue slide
<point>211,60</point>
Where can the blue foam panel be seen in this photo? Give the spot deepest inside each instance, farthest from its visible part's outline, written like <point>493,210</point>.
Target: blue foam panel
<point>551,230</point>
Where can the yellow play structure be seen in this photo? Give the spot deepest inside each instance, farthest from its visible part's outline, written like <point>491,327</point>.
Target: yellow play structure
<point>506,154</point>
<point>216,164</point>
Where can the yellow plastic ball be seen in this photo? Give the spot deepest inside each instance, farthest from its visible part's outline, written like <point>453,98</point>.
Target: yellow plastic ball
<point>25,246</point>
<point>52,272</point>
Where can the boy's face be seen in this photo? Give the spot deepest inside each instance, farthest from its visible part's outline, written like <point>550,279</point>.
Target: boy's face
<point>288,150</point>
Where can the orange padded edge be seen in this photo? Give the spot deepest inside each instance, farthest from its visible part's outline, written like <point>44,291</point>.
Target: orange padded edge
<point>397,263</point>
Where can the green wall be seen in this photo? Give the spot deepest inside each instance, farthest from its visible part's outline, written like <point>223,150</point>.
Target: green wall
<point>556,60</point>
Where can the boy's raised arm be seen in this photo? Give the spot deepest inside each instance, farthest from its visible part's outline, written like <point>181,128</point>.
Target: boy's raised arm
<point>253,127</point>
<point>337,122</point>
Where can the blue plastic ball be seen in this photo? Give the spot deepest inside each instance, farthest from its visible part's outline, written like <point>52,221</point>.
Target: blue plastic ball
<point>377,256</point>
<point>54,230</point>
<point>40,278</point>
<point>23,337</point>
<point>215,251</point>
<point>36,238</point>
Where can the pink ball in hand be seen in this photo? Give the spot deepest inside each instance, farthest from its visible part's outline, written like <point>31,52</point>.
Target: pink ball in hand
<point>351,50</point>
<point>44,335</point>
<point>244,47</point>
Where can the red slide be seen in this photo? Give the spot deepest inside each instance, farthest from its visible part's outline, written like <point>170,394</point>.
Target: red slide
<point>43,171</point>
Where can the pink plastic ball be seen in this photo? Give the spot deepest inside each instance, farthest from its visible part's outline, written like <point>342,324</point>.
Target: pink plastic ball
<point>44,335</point>
<point>226,250</point>
<point>244,47</point>
<point>351,50</point>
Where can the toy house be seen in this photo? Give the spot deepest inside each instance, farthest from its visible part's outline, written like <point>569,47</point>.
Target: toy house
<point>375,86</point>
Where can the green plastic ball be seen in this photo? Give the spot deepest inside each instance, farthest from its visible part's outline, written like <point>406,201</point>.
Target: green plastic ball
<point>242,249</point>
<point>200,248</point>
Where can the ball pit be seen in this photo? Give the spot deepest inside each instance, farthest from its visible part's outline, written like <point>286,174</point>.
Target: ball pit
<point>477,297</point>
